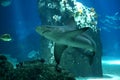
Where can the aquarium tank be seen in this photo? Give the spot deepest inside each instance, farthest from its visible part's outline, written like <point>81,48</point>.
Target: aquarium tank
<point>59,40</point>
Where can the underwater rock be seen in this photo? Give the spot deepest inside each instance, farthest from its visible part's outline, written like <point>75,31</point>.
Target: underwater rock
<point>59,13</point>
<point>74,61</point>
<point>2,58</point>
<point>5,67</point>
<point>63,10</point>
<point>12,60</point>
<point>40,71</point>
<point>66,46</point>
<point>81,63</point>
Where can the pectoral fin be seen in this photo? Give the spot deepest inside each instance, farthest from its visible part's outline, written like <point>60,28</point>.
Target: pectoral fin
<point>58,50</point>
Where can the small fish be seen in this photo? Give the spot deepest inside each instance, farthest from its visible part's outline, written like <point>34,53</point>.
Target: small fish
<point>5,37</point>
<point>5,3</point>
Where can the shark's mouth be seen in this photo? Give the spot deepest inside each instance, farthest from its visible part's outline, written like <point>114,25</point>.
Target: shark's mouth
<point>45,31</point>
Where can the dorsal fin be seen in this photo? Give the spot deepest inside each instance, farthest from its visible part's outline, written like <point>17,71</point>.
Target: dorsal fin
<point>77,32</point>
<point>70,22</point>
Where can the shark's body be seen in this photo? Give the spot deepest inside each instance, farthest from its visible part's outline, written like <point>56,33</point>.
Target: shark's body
<point>75,38</point>
<point>65,37</point>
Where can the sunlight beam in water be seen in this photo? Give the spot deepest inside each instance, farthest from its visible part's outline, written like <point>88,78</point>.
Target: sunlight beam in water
<point>20,23</point>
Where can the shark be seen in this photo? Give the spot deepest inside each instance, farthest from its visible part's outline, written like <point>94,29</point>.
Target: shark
<point>68,35</point>
<point>75,38</point>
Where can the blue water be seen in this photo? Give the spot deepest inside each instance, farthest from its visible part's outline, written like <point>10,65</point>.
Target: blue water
<point>21,17</point>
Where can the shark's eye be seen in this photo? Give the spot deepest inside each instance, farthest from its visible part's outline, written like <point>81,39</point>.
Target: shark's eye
<point>47,26</point>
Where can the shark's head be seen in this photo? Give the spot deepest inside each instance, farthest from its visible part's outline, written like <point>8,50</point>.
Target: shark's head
<point>49,30</point>
<point>43,29</point>
<point>75,38</point>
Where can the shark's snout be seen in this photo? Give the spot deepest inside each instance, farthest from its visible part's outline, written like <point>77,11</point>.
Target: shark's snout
<point>39,30</point>
<point>42,30</point>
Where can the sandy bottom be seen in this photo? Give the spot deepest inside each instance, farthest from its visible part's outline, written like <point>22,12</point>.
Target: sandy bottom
<point>111,69</point>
